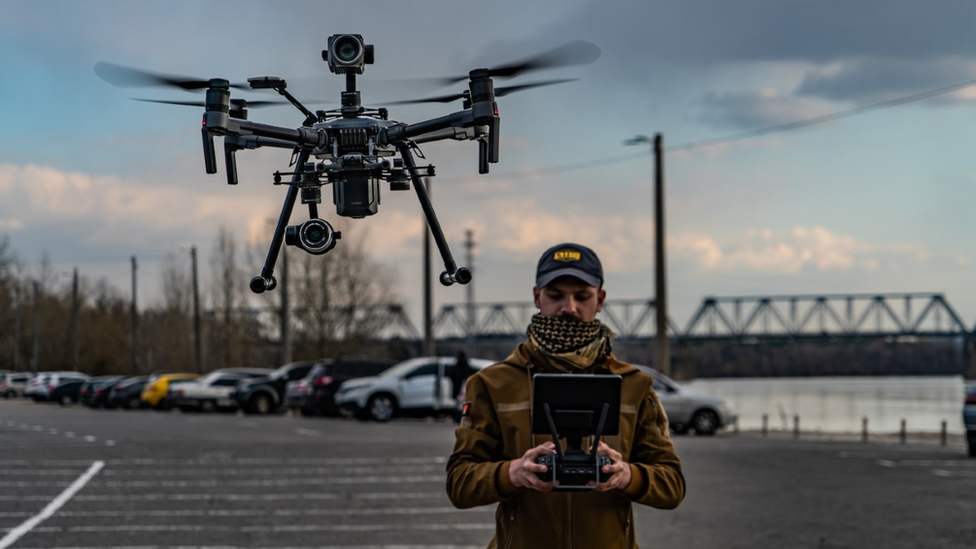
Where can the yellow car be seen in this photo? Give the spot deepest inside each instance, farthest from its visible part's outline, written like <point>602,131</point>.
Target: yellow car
<point>155,392</point>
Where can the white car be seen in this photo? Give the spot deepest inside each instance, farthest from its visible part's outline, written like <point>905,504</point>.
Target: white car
<point>212,391</point>
<point>687,409</point>
<point>40,387</point>
<point>408,387</point>
<point>12,384</point>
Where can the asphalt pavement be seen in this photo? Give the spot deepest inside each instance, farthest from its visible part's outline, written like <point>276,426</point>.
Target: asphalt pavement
<point>82,478</point>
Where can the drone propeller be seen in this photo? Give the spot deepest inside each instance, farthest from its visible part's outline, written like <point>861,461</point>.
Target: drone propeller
<point>128,77</point>
<point>250,104</point>
<point>499,92</point>
<point>577,52</point>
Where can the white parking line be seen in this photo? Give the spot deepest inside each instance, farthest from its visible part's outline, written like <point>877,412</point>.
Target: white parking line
<point>169,513</point>
<point>308,432</point>
<point>310,496</point>
<point>397,546</point>
<point>16,533</point>
<point>262,529</point>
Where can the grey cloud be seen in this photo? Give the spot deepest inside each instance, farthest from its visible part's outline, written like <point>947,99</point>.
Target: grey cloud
<point>755,109</point>
<point>869,80</point>
<point>818,31</point>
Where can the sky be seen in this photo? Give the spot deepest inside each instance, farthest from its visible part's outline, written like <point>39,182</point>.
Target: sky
<point>878,202</point>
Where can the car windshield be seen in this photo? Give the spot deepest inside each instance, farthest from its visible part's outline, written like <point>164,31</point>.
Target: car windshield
<point>400,369</point>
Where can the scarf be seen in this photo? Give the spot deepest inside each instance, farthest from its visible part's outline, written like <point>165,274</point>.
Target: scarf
<point>573,345</point>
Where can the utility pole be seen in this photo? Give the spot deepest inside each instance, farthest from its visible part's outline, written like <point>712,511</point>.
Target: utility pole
<point>285,311</point>
<point>197,341</point>
<point>74,320</point>
<point>135,321</point>
<point>17,315</point>
<point>662,347</point>
<point>472,326</point>
<point>36,347</point>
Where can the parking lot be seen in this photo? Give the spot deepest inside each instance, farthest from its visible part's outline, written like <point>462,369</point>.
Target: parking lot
<point>83,478</point>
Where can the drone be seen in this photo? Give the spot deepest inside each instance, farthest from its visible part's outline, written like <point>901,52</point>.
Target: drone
<point>356,147</point>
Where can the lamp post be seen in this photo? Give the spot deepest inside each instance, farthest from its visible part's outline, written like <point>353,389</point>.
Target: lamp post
<point>662,347</point>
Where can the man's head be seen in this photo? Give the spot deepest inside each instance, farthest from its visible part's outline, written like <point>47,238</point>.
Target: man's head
<point>569,283</point>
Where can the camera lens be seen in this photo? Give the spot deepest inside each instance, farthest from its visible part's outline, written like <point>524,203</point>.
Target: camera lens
<point>347,49</point>
<point>316,236</point>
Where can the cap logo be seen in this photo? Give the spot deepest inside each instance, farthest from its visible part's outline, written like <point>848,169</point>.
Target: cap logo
<point>566,255</point>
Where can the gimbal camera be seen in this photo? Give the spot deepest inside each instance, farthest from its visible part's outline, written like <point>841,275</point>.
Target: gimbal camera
<point>356,148</point>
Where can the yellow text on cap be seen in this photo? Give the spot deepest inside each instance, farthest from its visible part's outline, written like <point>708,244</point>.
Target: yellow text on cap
<point>566,255</point>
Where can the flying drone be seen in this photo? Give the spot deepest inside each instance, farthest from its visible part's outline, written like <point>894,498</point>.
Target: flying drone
<point>357,147</point>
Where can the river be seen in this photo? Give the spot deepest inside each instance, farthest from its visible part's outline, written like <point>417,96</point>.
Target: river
<point>838,404</point>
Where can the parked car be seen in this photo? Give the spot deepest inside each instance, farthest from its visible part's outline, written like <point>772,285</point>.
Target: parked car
<point>969,417</point>
<point>12,384</point>
<point>406,388</point>
<point>67,390</point>
<point>126,393</point>
<point>154,393</point>
<point>39,388</point>
<point>687,409</point>
<point>209,393</point>
<point>325,378</point>
<point>264,395</point>
<point>94,392</point>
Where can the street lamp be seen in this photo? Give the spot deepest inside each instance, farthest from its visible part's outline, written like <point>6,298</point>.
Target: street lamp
<point>662,350</point>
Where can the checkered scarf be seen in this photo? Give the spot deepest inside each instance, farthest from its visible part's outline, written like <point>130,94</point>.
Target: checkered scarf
<point>574,345</point>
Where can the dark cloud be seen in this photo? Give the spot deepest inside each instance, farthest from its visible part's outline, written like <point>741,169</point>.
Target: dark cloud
<point>756,109</point>
<point>872,80</point>
<point>817,31</point>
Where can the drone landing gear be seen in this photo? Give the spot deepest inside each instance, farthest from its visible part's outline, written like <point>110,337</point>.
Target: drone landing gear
<point>452,273</point>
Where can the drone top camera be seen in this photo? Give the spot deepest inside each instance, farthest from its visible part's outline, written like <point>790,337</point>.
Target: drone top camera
<point>356,147</point>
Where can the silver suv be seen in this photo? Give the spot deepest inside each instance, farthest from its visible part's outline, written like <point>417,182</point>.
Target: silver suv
<point>687,409</point>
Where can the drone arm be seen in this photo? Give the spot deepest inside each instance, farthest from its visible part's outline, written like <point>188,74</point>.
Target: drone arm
<point>395,135</point>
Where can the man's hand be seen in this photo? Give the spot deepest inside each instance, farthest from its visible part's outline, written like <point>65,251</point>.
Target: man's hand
<point>522,471</point>
<point>620,470</point>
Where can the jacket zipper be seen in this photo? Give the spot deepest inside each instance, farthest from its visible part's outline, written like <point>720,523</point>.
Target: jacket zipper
<point>511,530</point>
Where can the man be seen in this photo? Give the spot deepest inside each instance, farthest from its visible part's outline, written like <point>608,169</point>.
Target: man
<point>494,458</point>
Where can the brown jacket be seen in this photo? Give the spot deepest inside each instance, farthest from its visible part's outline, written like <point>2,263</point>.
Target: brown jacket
<point>497,430</point>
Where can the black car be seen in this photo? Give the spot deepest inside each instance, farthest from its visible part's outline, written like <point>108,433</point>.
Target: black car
<point>265,395</point>
<point>66,393</point>
<point>325,378</point>
<point>94,392</point>
<point>126,393</point>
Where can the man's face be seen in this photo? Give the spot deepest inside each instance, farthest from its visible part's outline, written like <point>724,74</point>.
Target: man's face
<point>571,298</point>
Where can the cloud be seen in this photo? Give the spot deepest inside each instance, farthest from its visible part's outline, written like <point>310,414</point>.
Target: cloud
<point>801,249</point>
<point>868,80</point>
<point>758,109</point>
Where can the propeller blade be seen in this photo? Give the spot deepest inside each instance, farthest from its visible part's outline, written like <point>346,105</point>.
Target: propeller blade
<point>128,77</point>
<point>436,99</point>
<point>578,52</point>
<point>505,90</point>
<point>501,91</point>
<point>250,104</point>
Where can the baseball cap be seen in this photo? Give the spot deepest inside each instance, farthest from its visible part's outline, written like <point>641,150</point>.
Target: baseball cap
<point>569,260</point>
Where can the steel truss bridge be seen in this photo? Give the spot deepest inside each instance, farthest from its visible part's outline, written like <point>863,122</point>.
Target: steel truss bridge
<point>751,318</point>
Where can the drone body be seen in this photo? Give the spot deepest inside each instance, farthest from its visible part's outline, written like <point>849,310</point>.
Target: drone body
<point>357,148</point>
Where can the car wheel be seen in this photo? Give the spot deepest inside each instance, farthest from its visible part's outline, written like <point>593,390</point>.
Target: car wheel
<point>133,403</point>
<point>9,394</point>
<point>971,439</point>
<point>381,408</point>
<point>705,422</point>
<point>66,400</point>
<point>260,404</point>
<point>208,406</point>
